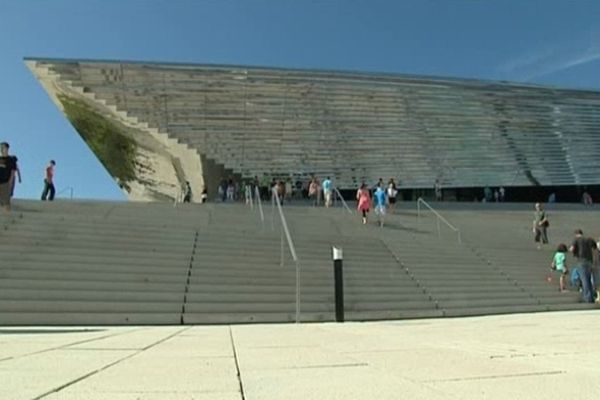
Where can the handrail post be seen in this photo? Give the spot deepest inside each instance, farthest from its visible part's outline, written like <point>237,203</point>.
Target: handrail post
<point>251,198</point>
<point>297,292</point>
<point>282,263</point>
<point>273,194</point>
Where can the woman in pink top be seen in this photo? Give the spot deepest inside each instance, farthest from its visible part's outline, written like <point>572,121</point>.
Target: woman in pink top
<point>364,201</point>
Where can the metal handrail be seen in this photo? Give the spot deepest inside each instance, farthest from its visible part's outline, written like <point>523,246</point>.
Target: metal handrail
<point>70,188</point>
<point>290,242</point>
<point>342,199</point>
<point>259,202</point>
<point>439,217</point>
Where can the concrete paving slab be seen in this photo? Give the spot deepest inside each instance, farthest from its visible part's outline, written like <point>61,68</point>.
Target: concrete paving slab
<point>528,356</point>
<point>29,377</point>
<point>23,341</point>
<point>136,339</point>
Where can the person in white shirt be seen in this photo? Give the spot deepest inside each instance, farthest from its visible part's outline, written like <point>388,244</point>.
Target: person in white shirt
<point>392,192</point>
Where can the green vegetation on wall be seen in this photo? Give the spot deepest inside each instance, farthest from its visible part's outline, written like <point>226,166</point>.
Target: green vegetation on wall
<point>114,149</point>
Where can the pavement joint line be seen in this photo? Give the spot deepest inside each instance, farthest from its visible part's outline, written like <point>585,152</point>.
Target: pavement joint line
<point>63,347</point>
<point>377,351</point>
<point>485,377</point>
<point>237,364</point>
<point>284,347</point>
<point>347,365</point>
<point>101,349</point>
<point>109,365</point>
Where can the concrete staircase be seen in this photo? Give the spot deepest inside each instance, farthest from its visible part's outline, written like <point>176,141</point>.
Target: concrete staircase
<point>99,263</point>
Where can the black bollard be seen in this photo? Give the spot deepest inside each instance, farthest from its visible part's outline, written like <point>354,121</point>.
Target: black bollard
<point>339,284</point>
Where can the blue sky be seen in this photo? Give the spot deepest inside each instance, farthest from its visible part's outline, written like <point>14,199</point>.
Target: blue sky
<point>545,41</point>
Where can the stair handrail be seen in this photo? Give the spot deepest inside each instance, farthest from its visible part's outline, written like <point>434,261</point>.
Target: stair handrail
<point>342,199</point>
<point>63,190</point>
<point>292,248</point>
<point>259,202</point>
<point>439,218</point>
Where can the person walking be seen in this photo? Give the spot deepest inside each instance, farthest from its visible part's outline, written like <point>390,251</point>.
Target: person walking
<point>584,249</point>
<point>7,175</point>
<point>379,203</point>
<point>187,192</point>
<point>437,188</point>
<point>559,264</point>
<point>17,174</point>
<point>392,192</point>
<point>313,188</point>
<point>327,191</point>
<point>540,225</point>
<point>49,191</point>
<point>364,201</point>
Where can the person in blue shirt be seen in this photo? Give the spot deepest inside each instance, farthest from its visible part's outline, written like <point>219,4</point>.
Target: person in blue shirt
<point>379,203</point>
<point>327,191</point>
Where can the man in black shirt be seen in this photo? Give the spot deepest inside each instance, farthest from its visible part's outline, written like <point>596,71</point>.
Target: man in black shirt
<point>584,249</point>
<point>7,175</point>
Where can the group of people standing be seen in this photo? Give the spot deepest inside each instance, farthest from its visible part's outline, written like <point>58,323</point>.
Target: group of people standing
<point>585,273</point>
<point>10,173</point>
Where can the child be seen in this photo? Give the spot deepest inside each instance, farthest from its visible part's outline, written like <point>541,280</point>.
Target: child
<point>559,265</point>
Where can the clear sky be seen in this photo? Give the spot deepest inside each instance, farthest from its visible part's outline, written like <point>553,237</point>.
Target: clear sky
<point>545,41</point>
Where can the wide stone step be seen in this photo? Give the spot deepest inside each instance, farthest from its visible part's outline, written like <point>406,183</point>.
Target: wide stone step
<point>46,284</point>
<point>366,305</point>
<point>87,318</point>
<point>90,295</point>
<point>288,297</point>
<point>491,310</point>
<point>52,306</point>
<point>253,317</point>
<point>83,267</point>
<point>487,302</point>
<point>257,307</point>
<point>392,314</point>
<point>92,276</point>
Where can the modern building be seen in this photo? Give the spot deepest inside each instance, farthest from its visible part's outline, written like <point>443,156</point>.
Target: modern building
<point>156,125</point>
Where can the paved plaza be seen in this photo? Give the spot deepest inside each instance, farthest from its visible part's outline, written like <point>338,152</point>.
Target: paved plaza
<point>526,356</point>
